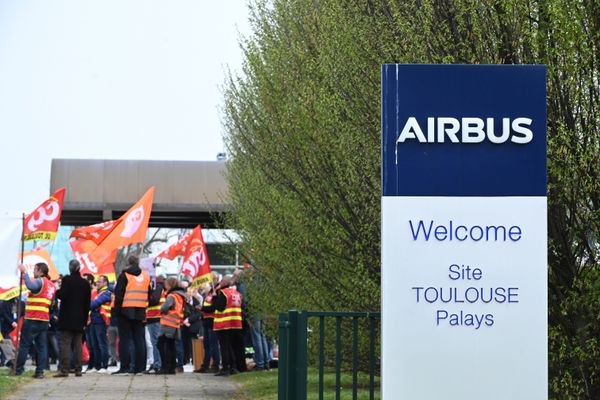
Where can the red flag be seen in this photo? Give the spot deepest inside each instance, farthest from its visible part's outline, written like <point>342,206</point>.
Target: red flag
<point>96,233</point>
<point>82,250</point>
<point>174,250</point>
<point>195,263</point>
<point>42,223</point>
<point>130,228</point>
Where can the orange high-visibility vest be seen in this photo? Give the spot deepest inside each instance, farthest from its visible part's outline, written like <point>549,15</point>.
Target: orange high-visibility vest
<point>38,305</point>
<point>136,291</point>
<point>174,317</point>
<point>153,312</point>
<point>207,303</point>
<point>231,316</point>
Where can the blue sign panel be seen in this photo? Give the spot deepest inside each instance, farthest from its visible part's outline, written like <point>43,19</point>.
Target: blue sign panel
<point>463,130</point>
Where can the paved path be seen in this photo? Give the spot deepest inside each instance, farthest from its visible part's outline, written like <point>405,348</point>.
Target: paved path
<point>148,387</point>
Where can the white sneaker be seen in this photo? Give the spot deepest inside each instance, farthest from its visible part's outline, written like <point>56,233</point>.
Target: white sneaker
<point>101,371</point>
<point>89,371</point>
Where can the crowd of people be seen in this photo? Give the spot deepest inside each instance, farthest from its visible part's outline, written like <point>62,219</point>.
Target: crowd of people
<point>141,324</point>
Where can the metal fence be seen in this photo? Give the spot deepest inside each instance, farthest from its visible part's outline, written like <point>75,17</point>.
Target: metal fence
<point>293,351</point>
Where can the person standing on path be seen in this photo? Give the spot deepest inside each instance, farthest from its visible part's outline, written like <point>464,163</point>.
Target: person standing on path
<point>227,306</point>
<point>153,321</point>
<point>87,331</point>
<point>132,292</point>
<point>100,317</point>
<point>170,322</point>
<point>211,344</point>
<point>74,295</point>
<point>37,317</point>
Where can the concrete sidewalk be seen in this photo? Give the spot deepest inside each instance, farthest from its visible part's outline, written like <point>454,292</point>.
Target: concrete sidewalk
<point>96,386</point>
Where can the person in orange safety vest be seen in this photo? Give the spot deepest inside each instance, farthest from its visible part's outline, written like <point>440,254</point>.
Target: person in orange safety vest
<point>171,317</point>
<point>132,291</point>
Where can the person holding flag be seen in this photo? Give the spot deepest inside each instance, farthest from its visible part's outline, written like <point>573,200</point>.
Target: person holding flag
<point>37,318</point>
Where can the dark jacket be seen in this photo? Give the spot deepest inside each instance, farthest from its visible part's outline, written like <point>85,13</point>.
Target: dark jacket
<point>155,301</point>
<point>74,295</point>
<point>104,298</point>
<point>132,313</point>
<point>194,317</point>
<point>6,316</point>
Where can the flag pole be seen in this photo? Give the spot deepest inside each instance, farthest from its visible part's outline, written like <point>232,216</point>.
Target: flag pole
<point>19,301</point>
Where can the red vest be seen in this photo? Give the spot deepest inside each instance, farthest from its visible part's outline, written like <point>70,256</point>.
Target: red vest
<point>153,312</point>
<point>231,316</point>
<point>38,305</point>
<point>136,292</point>
<point>174,317</point>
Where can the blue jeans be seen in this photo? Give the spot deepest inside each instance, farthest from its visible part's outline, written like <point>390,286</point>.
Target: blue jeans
<point>153,329</point>
<point>99,343</point>
<point>259,342</point>
<point>211,348</point>
<point>31,331</point>
<point>179,352</point>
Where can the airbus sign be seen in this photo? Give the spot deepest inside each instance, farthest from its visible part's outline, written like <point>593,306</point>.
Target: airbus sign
<point>467,130</point>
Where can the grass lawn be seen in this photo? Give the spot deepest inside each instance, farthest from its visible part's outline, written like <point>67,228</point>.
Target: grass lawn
<point>9,384</point>
<point>263,385</point>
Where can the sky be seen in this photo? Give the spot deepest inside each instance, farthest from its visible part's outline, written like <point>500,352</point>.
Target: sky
<point>110,79</point>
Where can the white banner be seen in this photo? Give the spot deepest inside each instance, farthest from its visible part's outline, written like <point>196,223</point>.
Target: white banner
<point>10,238</point>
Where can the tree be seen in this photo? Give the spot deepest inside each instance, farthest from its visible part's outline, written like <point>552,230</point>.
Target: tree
<point>303,131</point>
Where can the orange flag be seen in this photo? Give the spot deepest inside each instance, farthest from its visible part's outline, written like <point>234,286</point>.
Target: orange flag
<point>130,228</point>
<point>195,263</point>
<point>96,233</point>
<point>82,250</point>
<point>174,250</point>
<point>42,223</point>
